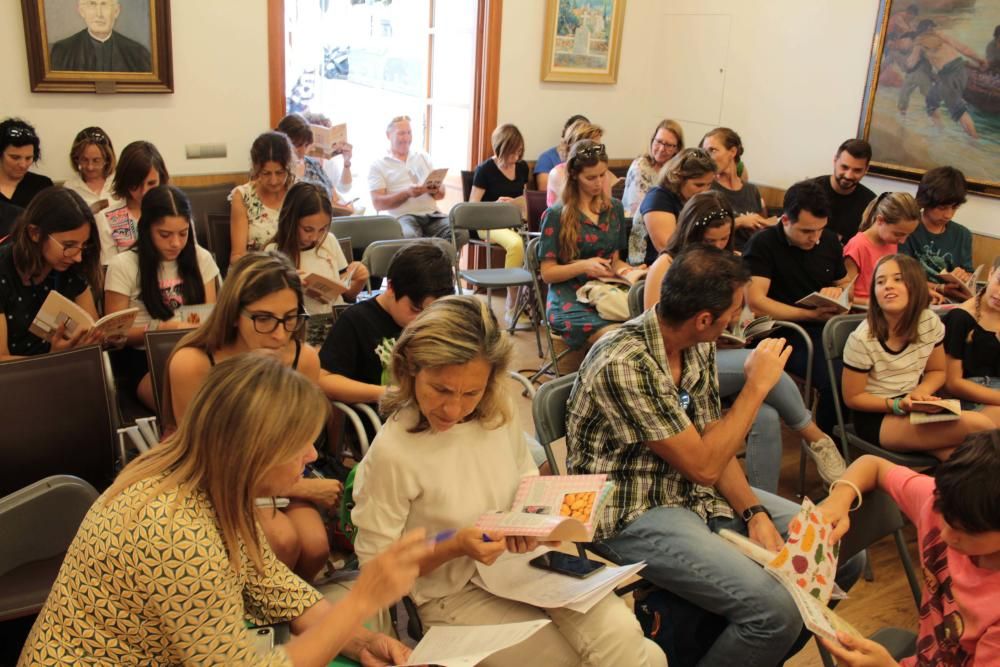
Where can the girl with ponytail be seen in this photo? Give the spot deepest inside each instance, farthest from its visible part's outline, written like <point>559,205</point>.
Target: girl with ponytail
<point>887,222</point>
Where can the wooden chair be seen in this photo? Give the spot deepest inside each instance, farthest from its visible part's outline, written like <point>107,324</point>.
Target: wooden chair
<point>535,203</point>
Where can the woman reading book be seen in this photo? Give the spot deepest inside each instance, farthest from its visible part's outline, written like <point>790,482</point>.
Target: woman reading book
<point>253,219</point>
<point>93,158</point>
<point>972,349</point>
<point>894,365</point>
<point>53,247</point>
<point>260,309</point>
<point>450,451</point>
<point>304,237</point>
<point>169,563</point>
<point>707,218</point>
<point>165,270</point>
<point>583,238</point>
<point>307,167</point>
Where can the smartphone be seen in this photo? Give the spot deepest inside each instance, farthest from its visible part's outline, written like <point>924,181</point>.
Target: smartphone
<point>573,566</point>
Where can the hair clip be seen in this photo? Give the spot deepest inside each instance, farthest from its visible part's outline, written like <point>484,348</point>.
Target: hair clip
<point>717,214</point>
<point>96,136</point>
<point>15,132</point>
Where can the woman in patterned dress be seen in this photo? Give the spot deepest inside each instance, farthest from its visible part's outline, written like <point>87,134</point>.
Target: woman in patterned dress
<point>169,564</point>
<point>583,238</point>
<point>253,219</point>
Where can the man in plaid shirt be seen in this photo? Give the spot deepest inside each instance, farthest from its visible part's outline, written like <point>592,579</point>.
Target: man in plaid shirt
<point>645,410</point>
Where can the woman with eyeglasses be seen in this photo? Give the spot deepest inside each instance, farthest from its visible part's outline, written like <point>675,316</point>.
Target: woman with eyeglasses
<point>164,270</point>
<point>308,168</point>
<point>583,238</point>
<point>260,309</point>
<point>19,149</point>
<point>93,158</point>
<point>140,169</point>
<point>53,247</point>
<point>256,204</point>
<point>668,139</point>
<point>726,148</point>
<point>686,174</point>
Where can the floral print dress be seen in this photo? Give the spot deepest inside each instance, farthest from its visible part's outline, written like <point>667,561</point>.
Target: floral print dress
<point>575,322</point>
<point>263,220</point>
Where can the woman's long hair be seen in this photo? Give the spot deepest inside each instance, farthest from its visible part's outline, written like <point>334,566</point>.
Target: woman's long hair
<point>706,210</point>
<point>671,126</point>
<point>233,418</point>
<point>303,199</point>
<point>582,154</point>
<point>918,299</point>
<point>53,210</point>
<point>894,207</point>
<point>451,331</point>
<point>159,203</point>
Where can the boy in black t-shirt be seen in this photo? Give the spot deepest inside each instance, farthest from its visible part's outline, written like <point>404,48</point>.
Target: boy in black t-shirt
<point>353,370</point>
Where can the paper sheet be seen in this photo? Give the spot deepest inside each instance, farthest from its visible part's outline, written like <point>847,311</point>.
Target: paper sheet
<point>468,645</point>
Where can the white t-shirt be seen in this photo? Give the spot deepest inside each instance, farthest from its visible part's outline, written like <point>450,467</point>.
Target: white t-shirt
<point>77,185</point>
<point>437,481</point>
<point>327,260</point>
<point>123,278</point>
<point>392,175</point>
<point>892,373</point>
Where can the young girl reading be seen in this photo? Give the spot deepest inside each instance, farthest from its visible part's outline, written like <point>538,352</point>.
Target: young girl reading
<point>888,221</point>
<point>894,359</point>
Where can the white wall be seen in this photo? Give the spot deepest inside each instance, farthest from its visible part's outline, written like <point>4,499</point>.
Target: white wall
<point>793,81</point>
<point>220,84</point>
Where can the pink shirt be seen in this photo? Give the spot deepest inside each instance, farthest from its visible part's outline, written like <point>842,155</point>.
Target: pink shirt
<point>866,255</point>
<point>959,614</point>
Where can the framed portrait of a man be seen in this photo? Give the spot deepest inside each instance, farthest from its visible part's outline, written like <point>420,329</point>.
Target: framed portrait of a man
<point>103,46</point>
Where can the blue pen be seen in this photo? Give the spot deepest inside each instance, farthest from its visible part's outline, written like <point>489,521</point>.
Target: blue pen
<point>444,535</point>
<point>486,538</point>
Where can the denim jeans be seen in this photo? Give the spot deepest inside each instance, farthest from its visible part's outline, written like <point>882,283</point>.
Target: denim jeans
<point>685,556</point>
<point>763,463</point>
<point>986,381</point>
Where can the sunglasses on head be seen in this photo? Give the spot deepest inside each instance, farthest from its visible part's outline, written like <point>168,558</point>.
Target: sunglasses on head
<point>96,136</point>
<point>594,151</point>
<point>19,133</point>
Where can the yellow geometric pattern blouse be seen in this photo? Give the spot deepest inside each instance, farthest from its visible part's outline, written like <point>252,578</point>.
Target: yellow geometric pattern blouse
<point>159,590</point>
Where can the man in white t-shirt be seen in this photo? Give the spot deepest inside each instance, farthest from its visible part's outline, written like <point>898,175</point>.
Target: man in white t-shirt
<point>396,184</point>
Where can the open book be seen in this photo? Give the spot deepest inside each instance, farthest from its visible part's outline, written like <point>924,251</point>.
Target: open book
<point>435,179</point>
<point>57,309</point>
<point>747,327</point>
<point>967,288</point>
<point>325,290</point>
<point>556,508</point>
<point>325,138</point>
<point>951,409</point>
<point>629,278</point>
<point>841,303</point>
<point>99,206</point>
<point>805,566</point>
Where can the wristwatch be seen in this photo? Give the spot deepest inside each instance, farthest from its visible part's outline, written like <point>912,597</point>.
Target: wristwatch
<point>754,509</point>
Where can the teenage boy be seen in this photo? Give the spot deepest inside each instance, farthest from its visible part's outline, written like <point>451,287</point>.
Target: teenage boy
<point>939,243</point>
<point>958,534</point>
<point>848,198</point>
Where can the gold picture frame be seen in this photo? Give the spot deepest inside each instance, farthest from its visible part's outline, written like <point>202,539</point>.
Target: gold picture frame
<point>583,40</point>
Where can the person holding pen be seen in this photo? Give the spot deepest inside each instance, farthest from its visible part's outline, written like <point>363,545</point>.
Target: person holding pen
<point>450,451</point>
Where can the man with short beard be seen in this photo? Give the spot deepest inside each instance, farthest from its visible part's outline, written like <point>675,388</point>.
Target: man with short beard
<point>848,198</point>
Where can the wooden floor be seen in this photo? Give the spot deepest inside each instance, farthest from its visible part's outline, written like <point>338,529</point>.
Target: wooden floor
<point>884,602</point>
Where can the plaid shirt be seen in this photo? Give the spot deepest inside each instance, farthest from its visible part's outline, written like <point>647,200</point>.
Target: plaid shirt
<point>625,397</point>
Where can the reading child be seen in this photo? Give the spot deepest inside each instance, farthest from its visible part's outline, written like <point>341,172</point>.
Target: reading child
<point>894,359</point>
<point>304,237</point>
<point>259,309</point>
<point>451,451</point>
<point>888,220</point>
<point>140,169</point>
<point>972,349</point>
<point>164,270</point>
<point>958,535</point>
<point>53,247</point>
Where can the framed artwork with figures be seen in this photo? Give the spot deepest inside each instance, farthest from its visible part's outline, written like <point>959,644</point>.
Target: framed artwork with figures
<point>103,46</point>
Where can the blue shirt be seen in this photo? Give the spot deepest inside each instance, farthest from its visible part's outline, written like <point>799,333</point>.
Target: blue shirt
<point>547,160</point>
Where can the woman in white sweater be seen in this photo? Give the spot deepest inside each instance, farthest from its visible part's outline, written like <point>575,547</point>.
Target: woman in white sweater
<point>451,451</point>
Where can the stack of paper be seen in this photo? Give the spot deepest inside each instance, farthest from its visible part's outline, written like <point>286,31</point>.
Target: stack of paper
<point>468,645</point>
<point>512,578</point>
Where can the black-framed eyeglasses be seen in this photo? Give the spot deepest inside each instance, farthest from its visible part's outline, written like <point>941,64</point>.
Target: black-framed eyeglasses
<point>686,403</point>
<point>265,323</point>
<point>71,250</point>
<point>666,145</point>
<point>594,151</point>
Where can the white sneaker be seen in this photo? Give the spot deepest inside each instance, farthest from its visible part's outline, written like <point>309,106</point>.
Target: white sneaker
<point>829,463</point>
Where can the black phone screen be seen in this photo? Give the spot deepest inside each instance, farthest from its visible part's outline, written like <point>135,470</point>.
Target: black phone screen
<point>573,566</point>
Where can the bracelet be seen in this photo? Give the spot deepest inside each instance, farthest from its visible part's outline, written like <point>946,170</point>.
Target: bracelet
<point>897,409</point>
<point>851,484</point>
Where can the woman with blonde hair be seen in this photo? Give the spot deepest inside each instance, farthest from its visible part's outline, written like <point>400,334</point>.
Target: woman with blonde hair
<point>503,178</point>
<point>260,309</point>
<point>169,561</point>
<point>256,204</point>
<point>886,223</point>
<point>576,132</point>
<point>450,451</point>
<point>667,140</point>
<point>583,238</point>
<point>686,174</point>
<point>93,158</point>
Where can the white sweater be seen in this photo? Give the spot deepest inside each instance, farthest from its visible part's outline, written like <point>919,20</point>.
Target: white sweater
<point>437,481</point>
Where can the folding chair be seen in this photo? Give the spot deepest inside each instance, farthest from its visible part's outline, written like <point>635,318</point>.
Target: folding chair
<point>364,229</point>
<point>378,254</point>
<point>835,335</point>
<point>534,268</point>
<point>636,296</point>
<point>159,346</point>
<point>877,518</point>
<point>38,523</point>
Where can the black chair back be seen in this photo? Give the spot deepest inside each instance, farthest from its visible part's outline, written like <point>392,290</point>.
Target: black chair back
<point>221,243</point>
<point>534,201</point>
<point>211,199</point>
<point>159,346</point>
<point>466,184</point>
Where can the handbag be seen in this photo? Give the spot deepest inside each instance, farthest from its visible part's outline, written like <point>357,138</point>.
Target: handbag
<point>610,301</point>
